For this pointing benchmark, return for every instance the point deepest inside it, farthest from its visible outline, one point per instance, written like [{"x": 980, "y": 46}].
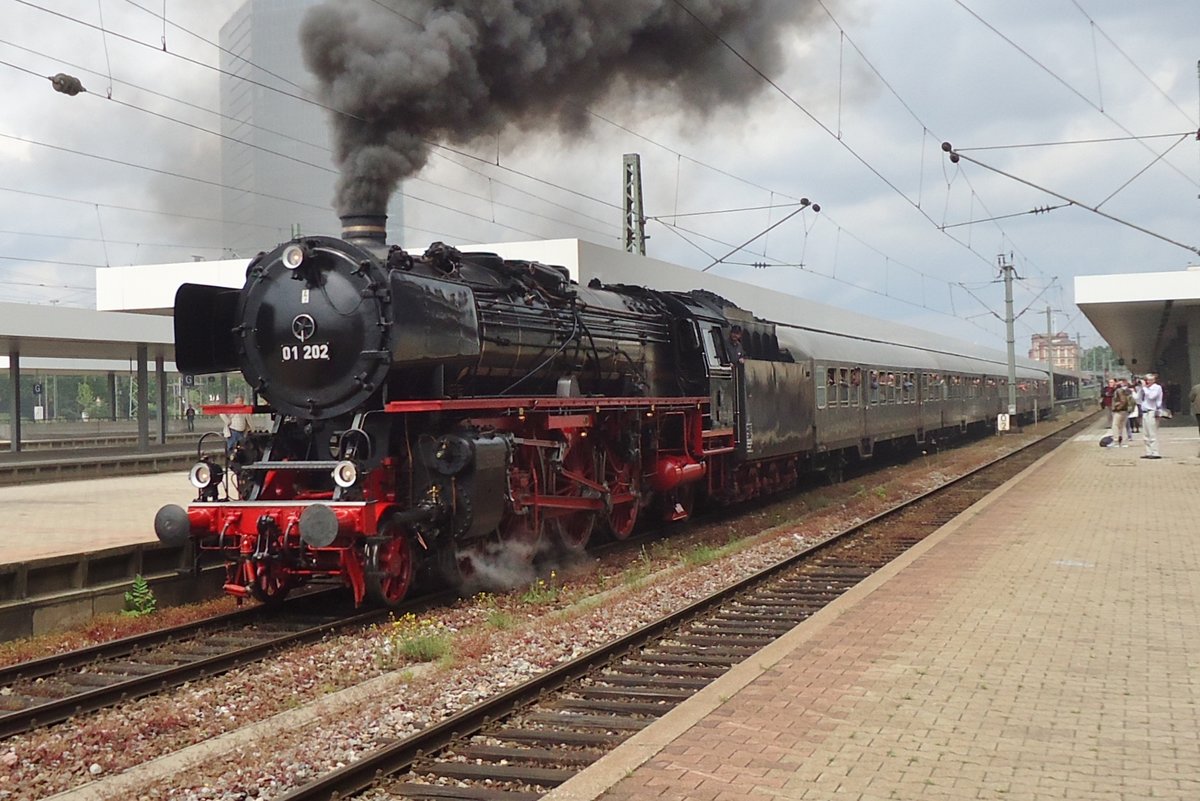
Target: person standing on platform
[
  {"x": 190, "y": 414},
  {"x": 1195, "y": 399},
  {"x": 1151, "y": 408},
  {"x": 1122, "y": 399},
  {"x": 1106, "y": 400},
  {"x": 238, "y": 424},
  {"x": 1135, "y": 411}
]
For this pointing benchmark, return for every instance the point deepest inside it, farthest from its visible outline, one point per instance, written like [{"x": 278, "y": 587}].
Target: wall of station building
[
  {"x": 1177, "y": 365},
  {"x": 1190, "y": 358}
]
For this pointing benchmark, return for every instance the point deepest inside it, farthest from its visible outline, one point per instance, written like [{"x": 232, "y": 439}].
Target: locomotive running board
[{"x": 545, "y": 404}]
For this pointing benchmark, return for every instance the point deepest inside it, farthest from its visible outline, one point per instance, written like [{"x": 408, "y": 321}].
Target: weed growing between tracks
[
  {"x": 409, "y": 639},
  {"x": 140, "y": 599}
]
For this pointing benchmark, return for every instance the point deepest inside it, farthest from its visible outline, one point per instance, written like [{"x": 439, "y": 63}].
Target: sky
[{"x": 1055, "y": 107}]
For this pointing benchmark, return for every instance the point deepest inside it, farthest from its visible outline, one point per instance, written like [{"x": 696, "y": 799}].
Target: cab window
[{"x": 714, "y": 348}]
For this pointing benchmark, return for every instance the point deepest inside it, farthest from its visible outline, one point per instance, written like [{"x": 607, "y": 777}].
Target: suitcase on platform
[{"x": 1105, "y": 441}]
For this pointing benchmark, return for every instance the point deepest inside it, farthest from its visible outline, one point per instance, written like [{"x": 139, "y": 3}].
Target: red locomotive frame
[{"x": 590, "y": 479}]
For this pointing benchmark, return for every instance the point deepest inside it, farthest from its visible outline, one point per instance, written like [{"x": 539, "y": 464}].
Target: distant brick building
[{"x": 1061, "y": 347}]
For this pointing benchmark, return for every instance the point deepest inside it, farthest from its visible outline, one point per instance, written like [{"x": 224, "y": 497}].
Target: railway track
[
  {"x": 52, "y": 689},
  {"x": 93, "y": 441},
  {"x": 522, "y": 743},
  {"x": 95, "y": 457}
]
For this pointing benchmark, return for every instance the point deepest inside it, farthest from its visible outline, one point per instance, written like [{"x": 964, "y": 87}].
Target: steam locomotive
[{"x": 454, "y": 408}]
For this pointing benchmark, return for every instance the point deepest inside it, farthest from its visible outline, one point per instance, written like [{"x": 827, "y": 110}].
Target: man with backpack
[{"x": 1122, "y": 402}]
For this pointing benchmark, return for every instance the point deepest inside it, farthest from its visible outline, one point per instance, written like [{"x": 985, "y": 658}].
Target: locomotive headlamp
[
  {"x": 206, "y": 477},
  {"x": 293, "y": 256},
  {"x": 345, "y": 474},
  {"x": 201, "y": 475}
]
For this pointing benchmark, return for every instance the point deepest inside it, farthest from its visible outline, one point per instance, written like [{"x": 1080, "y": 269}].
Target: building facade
[
  {"x": 1060, "y": 350},
  {"x": 276, "y": 164}
]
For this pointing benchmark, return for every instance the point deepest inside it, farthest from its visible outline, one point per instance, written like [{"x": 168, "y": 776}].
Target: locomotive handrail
[{"x": 325, "y": 464}]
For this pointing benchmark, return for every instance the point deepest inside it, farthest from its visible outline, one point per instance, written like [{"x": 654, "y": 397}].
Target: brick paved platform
[{"x": 1043, "y": 645}]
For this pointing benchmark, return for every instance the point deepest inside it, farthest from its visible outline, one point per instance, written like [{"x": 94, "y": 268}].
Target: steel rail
[
  {"x": 58, "y": 710},
  {"x": 401, "y": 755}
]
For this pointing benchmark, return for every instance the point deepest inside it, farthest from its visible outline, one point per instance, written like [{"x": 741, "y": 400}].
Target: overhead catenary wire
[
  {"x": 835, "y": 135},
  {"x": 324, "y": 168},
  {"x": 926, "y": 133},
  {"x": 468, "y": 155},
  {"x": 1072, "y": 201},
  {"x": 489, "y": 163},
  {"x": 759, "y": 234},
  {"x": 1062, "y": 81},
  {"x": 1095, "y": 26},
  {"x": 1094, "y": 141},
  {"x": 220, "y": 185},
  {"x": 303, "y": 99},
  {"x": 193, "y": 61}
]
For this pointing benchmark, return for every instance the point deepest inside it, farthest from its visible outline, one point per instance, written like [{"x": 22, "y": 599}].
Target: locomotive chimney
[{"x": 367, "y": 230}]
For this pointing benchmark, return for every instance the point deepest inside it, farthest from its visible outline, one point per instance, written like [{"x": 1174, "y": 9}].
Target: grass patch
[
  {"x": 412, "y": 639},
  {"x": 641, "y": 567},
  {"x": 495, "y": 615},
  {"x": 499, "y": 619},
  {"x": 543, "y": 591},
  {"x": 702, "y": 555}
]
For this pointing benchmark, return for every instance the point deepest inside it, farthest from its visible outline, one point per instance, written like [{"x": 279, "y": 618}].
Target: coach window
[
  {"x": 843, "y": 386},
  {"x": 873, "y": 387},
  {"x": 822, "y": 382},
  {"x": 855, "y": 386}
]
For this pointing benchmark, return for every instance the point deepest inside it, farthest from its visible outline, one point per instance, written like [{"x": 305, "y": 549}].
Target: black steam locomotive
[{"x": 454, "y": 408}]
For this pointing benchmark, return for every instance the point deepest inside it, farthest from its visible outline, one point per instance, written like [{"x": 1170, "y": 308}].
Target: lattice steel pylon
[{"x": 635, "y": 220}]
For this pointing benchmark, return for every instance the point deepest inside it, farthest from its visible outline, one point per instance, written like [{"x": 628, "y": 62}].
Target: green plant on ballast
[
  {"x": 140, "y": 599},
  {"x": 410, "y": 639},
  {"x": 542, "y": 592}
]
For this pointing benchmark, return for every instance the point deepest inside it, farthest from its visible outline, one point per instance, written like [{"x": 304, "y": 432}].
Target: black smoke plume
[{"x": 433, "y": 71}]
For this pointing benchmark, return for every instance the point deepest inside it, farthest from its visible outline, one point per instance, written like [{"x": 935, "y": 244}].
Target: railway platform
[
  {"x": 69, "y": 549},
  {"x": 1044, "y": 644}
]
